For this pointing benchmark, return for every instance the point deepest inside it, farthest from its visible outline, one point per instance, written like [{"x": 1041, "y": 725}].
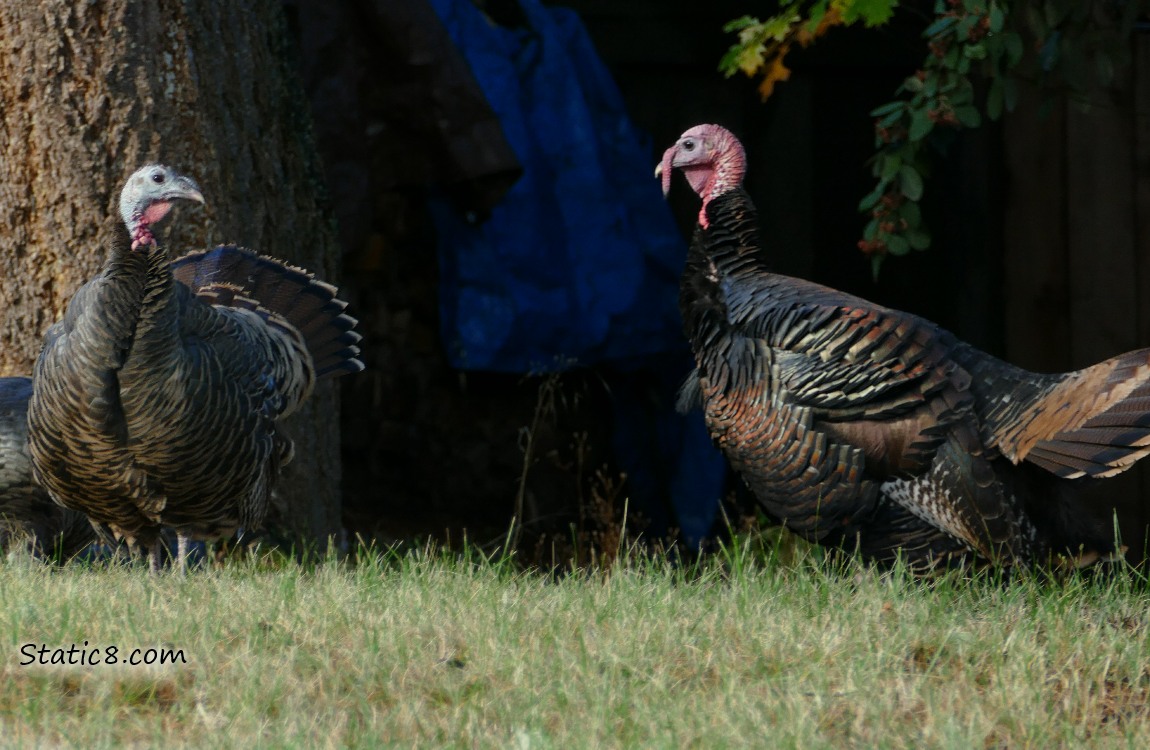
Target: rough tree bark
[{"x": 89, "y": 92}]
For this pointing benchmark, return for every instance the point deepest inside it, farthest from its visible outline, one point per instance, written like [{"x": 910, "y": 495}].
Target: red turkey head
[
  {"x": 712, "y": 160},
  {"x": 147, "y": 197}
]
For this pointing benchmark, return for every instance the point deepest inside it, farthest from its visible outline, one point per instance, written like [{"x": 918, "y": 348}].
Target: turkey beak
[
  {"x": 186, "y": 189},
  {"x": 663, "y": 170}
]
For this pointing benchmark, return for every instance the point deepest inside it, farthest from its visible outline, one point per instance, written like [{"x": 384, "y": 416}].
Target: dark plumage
[
  {"x": 156, "y": 403},
  {"x": 27, "y": 515},
  {"x": 873, "y": 429}
]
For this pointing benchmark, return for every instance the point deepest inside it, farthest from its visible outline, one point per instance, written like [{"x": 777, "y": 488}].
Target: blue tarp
[{"x": 580, "y": 262}]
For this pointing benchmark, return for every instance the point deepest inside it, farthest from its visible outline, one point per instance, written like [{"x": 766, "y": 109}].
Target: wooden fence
[{"x": 1077, "y": 241}]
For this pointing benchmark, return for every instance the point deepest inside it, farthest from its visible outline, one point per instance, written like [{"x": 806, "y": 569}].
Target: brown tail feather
[
  {"x": 1094, "y": 423},
  {"x": 237, "y": 277}
]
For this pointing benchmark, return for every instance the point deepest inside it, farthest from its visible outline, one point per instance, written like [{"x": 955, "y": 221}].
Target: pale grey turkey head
[
  {"x": 712, "y": 160},
  {"x": 147, "y": 197}
]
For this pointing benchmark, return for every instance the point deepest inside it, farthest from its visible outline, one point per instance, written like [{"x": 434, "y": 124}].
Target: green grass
[{"x": 425, "y": 650}]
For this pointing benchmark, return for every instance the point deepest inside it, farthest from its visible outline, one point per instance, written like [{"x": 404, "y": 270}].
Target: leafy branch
[
  {"x": 967, "y": 40},
  {"x": 763, "y": 45}
]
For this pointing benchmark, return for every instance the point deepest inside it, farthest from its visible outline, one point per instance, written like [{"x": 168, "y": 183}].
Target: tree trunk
[{"x": 91, "y": 91}]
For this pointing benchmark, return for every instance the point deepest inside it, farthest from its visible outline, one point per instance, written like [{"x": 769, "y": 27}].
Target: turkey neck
[
  {"x": 137, "y": 287},
  {"x": 125, "y": 267},
  {"x": 115, "y": 297},
  {"x": 157, "y": 325},
  {"x": 727, "y": 249}
]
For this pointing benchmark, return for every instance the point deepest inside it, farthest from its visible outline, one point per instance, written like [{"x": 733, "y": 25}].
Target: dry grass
[{"x": 425, "y": 650}]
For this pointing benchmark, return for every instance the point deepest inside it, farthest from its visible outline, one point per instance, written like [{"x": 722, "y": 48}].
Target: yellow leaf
[
  {"x": 751, "y": 59},
  {"x": 831, "y": 18},
  {"x": 776, "y": 71}
]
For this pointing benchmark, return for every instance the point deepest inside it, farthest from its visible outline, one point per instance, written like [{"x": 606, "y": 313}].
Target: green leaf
[
  {"x": 911, "y": 213},
  {"x": 995, "y": 48},
  {"x": 920, "y": 124},
  {"x": 910, "y": 182},
  {"x": 974, "y": 51},
  {"x": 887, "y": 108},
  {"x": 741, "y": 23},
  {"x": 912, "y": 84},
  {"x": 776, "y": 27},
  {"x": 950, "y": 59},
  {"x": 897, "y": 245},
  {"x": 890, "y": 119},
  {"x": 729, "y": 65},
  {"x": 965, "y": 25},
  {"x": 997, "y": 18},
  {"x": 871, "y": 199},
  {"x": 968, "y": 116},
  {"x": 815, "y": 17},
  {"x": 752, "y": 59},
  {"x": 871, "y": 12},
  {"x": 890, "y": 167},
  {"x": 940, "y": 25},
  {"x": 917, "y": 238},
  {"x": 875, "y": 264},
  {"x": 963, "y": 94}
]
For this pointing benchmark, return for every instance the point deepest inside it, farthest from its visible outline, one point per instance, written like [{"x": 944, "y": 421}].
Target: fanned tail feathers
[
  {"x": 1116, "y": 430},
  {"x": 233, "y": 276},
  {"x": 1093, "y": 422}
]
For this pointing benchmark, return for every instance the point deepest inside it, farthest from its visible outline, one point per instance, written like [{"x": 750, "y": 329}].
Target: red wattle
[{"x": 156, "y": 211}]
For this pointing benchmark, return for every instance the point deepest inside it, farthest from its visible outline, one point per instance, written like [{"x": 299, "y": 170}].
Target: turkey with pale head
[{"x": 157, "y": 399}]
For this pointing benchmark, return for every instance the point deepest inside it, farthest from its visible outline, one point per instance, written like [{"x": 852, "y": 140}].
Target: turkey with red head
[
  {"x": 156, "y": 399},
  {"x": 872, "y": 429}
]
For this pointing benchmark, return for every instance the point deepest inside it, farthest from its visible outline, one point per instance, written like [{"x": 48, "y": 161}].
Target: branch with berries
[
  {"x": 965, "y": 39},
  {"x": 938, "y": 97}
]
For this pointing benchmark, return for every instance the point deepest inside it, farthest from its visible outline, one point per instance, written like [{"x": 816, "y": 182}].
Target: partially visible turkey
[
  {"x": 156, "y": 399},
  {"x": 872, "y": 429},
  {"x": 28, "y": 517}
]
